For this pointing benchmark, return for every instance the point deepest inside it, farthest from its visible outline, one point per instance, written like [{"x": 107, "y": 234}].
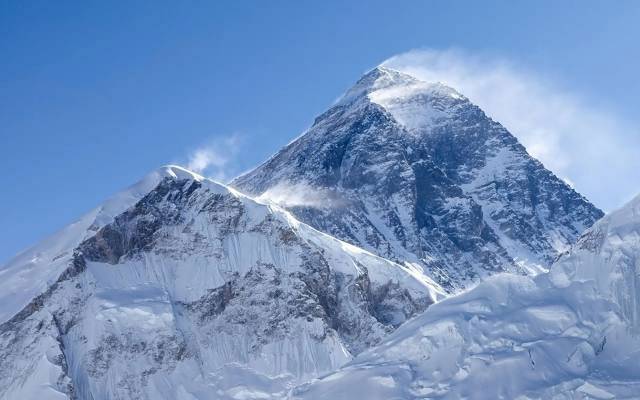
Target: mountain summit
[
  {"x": 413, "y": 171},
  {"x": 377, "y": 79}
]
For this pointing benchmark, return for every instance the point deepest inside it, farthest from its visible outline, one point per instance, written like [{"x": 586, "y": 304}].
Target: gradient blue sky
[{"x": 95, "y": 94}]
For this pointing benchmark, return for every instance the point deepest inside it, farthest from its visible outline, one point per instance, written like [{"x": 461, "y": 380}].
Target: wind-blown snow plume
[
  {"x": 216, "y": 158},
  {"x": 592, "y": 147},
  {"x": 300, "y": 195}
]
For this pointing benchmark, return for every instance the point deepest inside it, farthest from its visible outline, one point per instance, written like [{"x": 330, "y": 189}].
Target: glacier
[{"x": 571, "y": 333}]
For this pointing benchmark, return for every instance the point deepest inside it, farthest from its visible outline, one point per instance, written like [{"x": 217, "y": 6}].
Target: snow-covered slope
[
  {"x": 181, "y": 288},
  {"x": 413, "y": 171},
  {"x": 34, "y": 270},
  {"x": 572, "y": 333}
]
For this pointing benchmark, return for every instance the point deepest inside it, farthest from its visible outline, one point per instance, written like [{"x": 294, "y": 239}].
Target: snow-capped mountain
[
  {"x": 572, "y": 333},
  {"x": 415, "y": 172},
  {"x": 181, "y": 288}
]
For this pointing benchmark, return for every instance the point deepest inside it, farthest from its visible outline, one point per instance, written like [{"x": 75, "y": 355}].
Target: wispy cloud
[
  {"x": 216, "y": 159},
  {"x": 594, "y": 149},
  {"x": 300, "y": 195}
]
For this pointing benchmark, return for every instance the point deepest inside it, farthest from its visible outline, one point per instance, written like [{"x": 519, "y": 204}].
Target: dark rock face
[
  {"x": 456, "y": 194},
  {"x": 263, "y": 303},
  {"x": 136, "y": 230}
]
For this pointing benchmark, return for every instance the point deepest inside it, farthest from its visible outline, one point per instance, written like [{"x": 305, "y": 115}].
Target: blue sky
[{"x": 95, "y": 94}]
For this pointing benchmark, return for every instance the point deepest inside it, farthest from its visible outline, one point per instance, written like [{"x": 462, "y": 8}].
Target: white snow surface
[
  {"x": 571, "y": 333},
  {"x": 415, "y": 104},
  {"x": 32, "y": 271}
]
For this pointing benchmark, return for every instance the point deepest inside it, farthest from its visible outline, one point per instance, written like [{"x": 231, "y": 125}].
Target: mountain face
[
  {"x": 416, "y": 173},
  {"x": 181, "y": 288},
  {"x": 572, "y": 333},
  {"x": 33, "y": 271}
]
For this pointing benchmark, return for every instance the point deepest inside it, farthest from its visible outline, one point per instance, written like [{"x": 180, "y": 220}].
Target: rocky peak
[
  {"x": 377, "y": 79},
  {"x": 404, "y": 96},
  {"x": 421, "y": 174}
]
